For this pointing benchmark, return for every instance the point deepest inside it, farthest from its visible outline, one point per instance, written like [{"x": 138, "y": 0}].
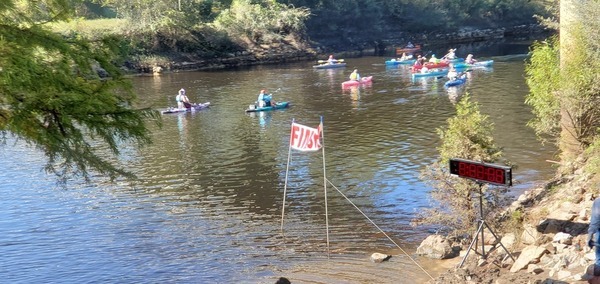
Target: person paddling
[
  {"x": 331, "y": 60},
  {"x": 265, "y": 100},
  {"x": 354, "y": 76},
  {"x": 470, "y": 59},
  {"x": 182, "y": 100}
]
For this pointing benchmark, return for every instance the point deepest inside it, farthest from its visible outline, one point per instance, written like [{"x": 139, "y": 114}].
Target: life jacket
[{"x": 354, "y": 76}]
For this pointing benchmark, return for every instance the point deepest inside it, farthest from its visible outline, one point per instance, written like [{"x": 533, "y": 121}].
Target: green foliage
[
  {"x": 565, "y": 84},
  {"x": 543, "y": 74},
  {"x": 580, "y": 87},
  {"x": 90, "y": 29},
  {"x": 52, "y": 97},
  {"x": 263, "y": 22},
  {"x": 468, "y": 136},
  {"x": 593, "y": 153}
]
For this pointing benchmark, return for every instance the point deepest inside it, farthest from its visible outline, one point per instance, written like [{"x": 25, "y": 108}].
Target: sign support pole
[
  {"x": 287, "y": 167},
  {"x": 325, "y": 186}
]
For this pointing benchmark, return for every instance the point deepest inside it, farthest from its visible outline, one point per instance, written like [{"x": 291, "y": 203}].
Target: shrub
[{"x": 455, "y": 201}]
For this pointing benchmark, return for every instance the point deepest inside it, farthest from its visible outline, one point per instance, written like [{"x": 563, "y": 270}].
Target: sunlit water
[{"x": 207, "y": 207}]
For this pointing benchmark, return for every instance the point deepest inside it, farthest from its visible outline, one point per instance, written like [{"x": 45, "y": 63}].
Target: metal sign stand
[{"x": 482, "y": 223}]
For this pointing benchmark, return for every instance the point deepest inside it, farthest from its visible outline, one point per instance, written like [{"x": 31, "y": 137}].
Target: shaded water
[{"x": 207, "y": 206}]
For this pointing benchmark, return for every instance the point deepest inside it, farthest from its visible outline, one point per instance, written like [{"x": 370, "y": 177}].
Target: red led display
[{"x": 482, "y": 172}]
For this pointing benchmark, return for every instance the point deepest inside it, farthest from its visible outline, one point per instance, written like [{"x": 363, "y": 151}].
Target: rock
[
  {"x": 530, "y": 235},
  {"x": 563, "y": 238},
  {"x": 380, "y": 257},
  {"x": 508, "y": 240},
  {"x": 564, "y": 274},
  {"x": 559, "y": 248},
  {"x": 436, "y": 246},
  {"x": 534, "y": 269},
  {"x": 489, "y": 238},
  {"x": 591, "y": 256},
  {"x": 583, "y": 215},
  {"x": 530, "y": 254}
]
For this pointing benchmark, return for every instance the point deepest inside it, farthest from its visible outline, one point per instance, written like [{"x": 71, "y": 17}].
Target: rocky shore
[{"x": 549, "y": 246}]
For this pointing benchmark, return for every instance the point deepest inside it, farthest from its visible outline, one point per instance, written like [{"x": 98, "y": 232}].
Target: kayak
[
  {"x": 328, "y": 66},
  {"x": 400, "y": 50},
  {"x": 486, "y": 63},
  {"x": 193, "y": 108},
  {"x": 394, "y": 62},
  {"x": 363, "y": 80},
  {"x": 456, "y": 82},
  {"x": 434, "y": 72},
  {"x": 454, "y": 60},
  {"x": 431, "y": 65},
  {"x": 279, "y": 105}
]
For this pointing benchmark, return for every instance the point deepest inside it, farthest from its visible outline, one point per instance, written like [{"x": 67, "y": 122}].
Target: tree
[
  {"x": 468, "y": 136},
  {"x": 52, "y": 96},
  {"x": 565, "y": 87}
]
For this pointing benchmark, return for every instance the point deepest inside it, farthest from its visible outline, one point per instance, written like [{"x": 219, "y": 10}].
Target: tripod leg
[
  {"x": 472, "y": 243},
  {"x": 495, "y": 236}
]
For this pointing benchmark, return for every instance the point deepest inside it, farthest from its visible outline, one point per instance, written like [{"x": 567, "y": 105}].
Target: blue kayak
[
  {"x": 329, "y": 66},
  {"x": 279, "y": 105},
  {"x": 399, "y": 62},
  {"x": 456, "y": 82},
  {"x": 486, "y": 63}
]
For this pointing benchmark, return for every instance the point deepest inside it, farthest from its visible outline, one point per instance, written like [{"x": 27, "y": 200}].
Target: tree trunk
[{"x": 569, "y": 144}]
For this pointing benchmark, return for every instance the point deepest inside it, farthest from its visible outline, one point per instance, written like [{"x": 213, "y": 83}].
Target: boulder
[
  {"x": 380, "y": 257},
  {"x": 530, "y": 254},
  {"x": 436, "y": 246}
]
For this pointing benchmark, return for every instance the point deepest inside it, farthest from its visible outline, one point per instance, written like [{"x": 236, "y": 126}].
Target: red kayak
[
  {"x": 400, "y": 50},
  {"x": 431, "y": 65},
  {"x": 363, "y": 80}
]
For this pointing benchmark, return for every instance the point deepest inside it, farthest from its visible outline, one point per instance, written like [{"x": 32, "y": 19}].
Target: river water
[{"x": 207, "y": 207}]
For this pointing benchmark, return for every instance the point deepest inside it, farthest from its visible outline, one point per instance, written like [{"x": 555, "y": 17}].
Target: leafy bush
[
  {"x": 456, "y": 200},
  {"x": 543, "y": 74},
  {"x": 260, "y": 23}
]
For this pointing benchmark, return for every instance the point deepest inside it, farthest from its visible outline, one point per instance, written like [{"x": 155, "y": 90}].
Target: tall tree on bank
[
  {"x": 52, "y": 97},
  {"x": 564, "y": 83},
  {"x": 569, "y": 144}
]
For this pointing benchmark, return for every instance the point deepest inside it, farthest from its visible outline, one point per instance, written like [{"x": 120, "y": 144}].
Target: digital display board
[{"x": 482, "y": 172}]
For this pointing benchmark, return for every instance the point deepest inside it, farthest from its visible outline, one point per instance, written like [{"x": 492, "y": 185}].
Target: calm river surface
[{"x": 207, "y": 206}]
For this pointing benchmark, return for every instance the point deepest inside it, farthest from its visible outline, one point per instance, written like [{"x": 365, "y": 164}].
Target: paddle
[{"x": 325, "y": 61}]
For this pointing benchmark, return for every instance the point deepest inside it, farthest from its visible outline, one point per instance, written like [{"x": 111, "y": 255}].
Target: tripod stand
[{"x": 482, "y": 223}]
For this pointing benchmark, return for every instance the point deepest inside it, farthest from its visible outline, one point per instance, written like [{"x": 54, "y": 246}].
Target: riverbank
[
  {"x": 549, "y": 244},
  {"x": 288, "y": 51}
]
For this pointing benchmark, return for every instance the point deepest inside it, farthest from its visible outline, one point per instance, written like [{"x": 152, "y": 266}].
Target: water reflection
[
  {"x": 264, "y": 117},
  {"x": 354, "y": 95},
  {"x": 454, "y": 94}
]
